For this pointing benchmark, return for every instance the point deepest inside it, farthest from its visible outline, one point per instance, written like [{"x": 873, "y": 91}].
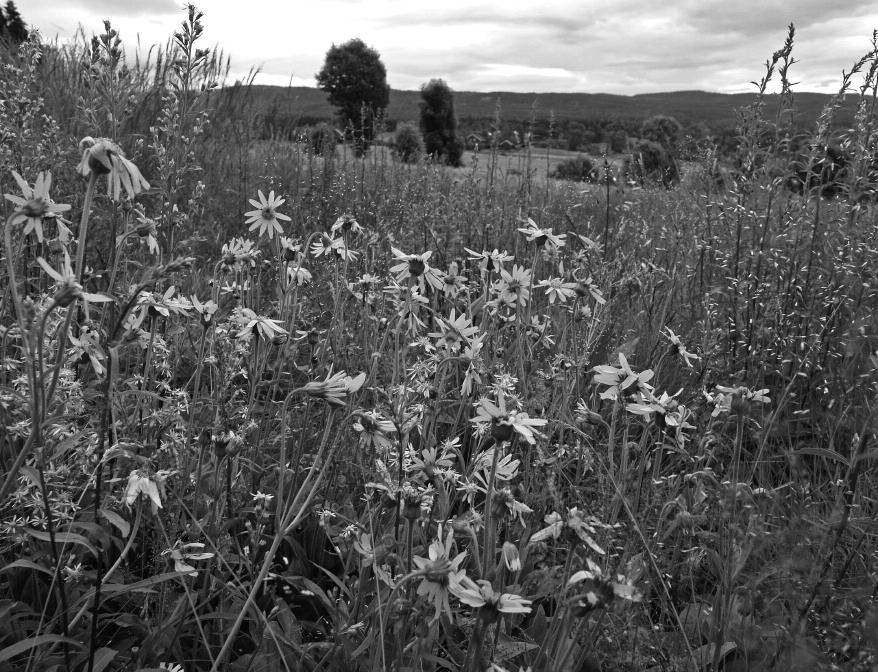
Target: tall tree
[
  {"x": 662, "y": 129},
  {"x": 15, "y": 26},
  {"x": 439, "y": 123},
  {"x": 355, "y": 80}
]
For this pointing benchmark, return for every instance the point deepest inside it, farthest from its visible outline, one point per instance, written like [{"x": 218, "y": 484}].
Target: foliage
[
  {"x": 580, "y": 169},
  {"x": 651, "y": 162},
  {"x": 355, "y": 81},
  {"x": 439, "y": 123},
  {"x": 662, "y": 130},
  {"x": 407, "y": 143},
  {"x": 12, "y": 26}
]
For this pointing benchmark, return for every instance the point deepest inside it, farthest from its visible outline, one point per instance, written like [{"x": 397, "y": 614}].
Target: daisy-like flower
[
  {"x": 146, "y": 230},
  {"x": 453, "y": 283},
  {"x": 171, "y": 667},
  {"x": 622, "y": 381},
  {"x": 513, "y": 289},
  {"x": 668, "y": 411},
  {"x": 252, "y": 323},
  {"x": 490, "y": 604},
  {"x": 153, "y": 305},
  {"x": 102, "y": 156},
  {"x": 374, "y": 430},
  {"x": 347, "y": 223},
  {"x": 69, "y": 289},
  {"x": 489, "y": 262},
  {"x": 408, "y": 302},
  {"x": 592, "y": 580},
  {"x": 581, "y": 528},
  {"x": 439, "y": 572},
  {"x": 35, "y": 205},
  {"x": 472, "y": 355},
  {"x": 298, "y": 275},
  {"x": 454, "y": 333},
  {"x": 588, "y": 287},
  {"x": 88, "y": 343},
  {"x": 290, "y": 249},
  {"x": 541, "y": 237},
  {"x": 182, "y": 552},
  {"x": 239, "y": 253},
  {"x": 503, "y": 423},
  {"x": 365, "y": 288},
  {"x": 327, "y": 246},
  {"x": 556, "y": 288},
  {"x": 736, "y": 399},
  {"x": 678, "y": 347},
  {"x": 335, "y": 388},
  {"x": 416, "y": 266},
  {"x": 206, "y": 310},
  {"x": 431, "y": 462},
  {"x": 141, "y": 483},
  {"x": 266, "y": 215},
  {"x": 511, "y": 556},
  {"x": 504, "y": 504}
]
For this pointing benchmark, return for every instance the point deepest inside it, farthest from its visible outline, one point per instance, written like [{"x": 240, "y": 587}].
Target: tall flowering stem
[{"x": 83, "y": 224}]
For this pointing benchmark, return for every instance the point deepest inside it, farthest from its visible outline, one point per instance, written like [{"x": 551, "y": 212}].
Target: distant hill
[{"x": 689, "y": 107}]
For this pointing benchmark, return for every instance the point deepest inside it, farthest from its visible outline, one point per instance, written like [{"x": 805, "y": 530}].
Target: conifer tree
[
  {"x": 439, "y": 123},
  {"x": 16, "y": 30}
]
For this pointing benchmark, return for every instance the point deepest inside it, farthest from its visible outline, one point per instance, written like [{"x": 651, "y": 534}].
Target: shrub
[
  {"x": 580, "y": 169},
  {"x": 407, "y": 144}
]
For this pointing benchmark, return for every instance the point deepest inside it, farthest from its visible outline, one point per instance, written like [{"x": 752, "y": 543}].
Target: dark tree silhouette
[
  {"x": 355, "y": 80},
  {"x": 438, "y": 122},
  {"x": 16, "y": 30}
]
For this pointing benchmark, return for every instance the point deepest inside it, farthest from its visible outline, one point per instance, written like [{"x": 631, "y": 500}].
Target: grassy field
[{"x": 264, "y": 409}]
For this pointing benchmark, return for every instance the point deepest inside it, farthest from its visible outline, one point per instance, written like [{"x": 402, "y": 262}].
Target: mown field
[{"x": 267, "y": 409}]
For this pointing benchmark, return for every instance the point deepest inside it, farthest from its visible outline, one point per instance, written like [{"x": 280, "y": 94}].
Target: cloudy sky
[{"x": 594, "y": 46}]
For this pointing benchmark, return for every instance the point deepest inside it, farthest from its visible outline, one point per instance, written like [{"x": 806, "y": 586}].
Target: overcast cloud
[{"x": 620, "y": 46}]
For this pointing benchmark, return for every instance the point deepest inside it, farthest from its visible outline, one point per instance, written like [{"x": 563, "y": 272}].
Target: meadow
[{"x": 269, "y": 408}]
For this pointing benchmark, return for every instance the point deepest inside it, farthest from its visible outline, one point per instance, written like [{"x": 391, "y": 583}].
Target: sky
[{"x": 588, "y": 46}]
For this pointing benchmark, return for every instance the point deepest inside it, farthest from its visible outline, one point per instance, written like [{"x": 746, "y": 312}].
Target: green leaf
[
  {"x": 33, "y": 642},
  {"x": 24, "y": 563},
  {"x": 64, "y": 538},
  {"x": 116, "y": 521},
  {"x": 103, "y": 657},
  {"x": 140, "y": 586}
]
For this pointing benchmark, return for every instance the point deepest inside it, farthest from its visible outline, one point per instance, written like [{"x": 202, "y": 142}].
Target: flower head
[
  {"x": 678, "y": 347},
  {"x": 102, "y": 156},
  {"x": 439, "y": 572},
  {"x": 69, "y": 289},
  {"x": 556, "y": 288},
  {"x": 266, "y": 215},
  {"x": 504, "y": 423},
  {"x": 416, "y": 266},
  {"x": 35, "y": 206},
  {"x": 622, "y": 381},
  {"x": 541, "y": 237},
  {"x": 490, "y": 603},
  {"x": 335, "y": 388},
  {"x": 347, "y": 223},
  {"x": 489, "y": 262}
]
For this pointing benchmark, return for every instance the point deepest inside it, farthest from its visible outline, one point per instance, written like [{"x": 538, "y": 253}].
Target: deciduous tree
[{"x": 355, "y": 81}]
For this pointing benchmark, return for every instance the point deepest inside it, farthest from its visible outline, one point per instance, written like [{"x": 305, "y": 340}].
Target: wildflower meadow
[{"x": 267, "y": 407}]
